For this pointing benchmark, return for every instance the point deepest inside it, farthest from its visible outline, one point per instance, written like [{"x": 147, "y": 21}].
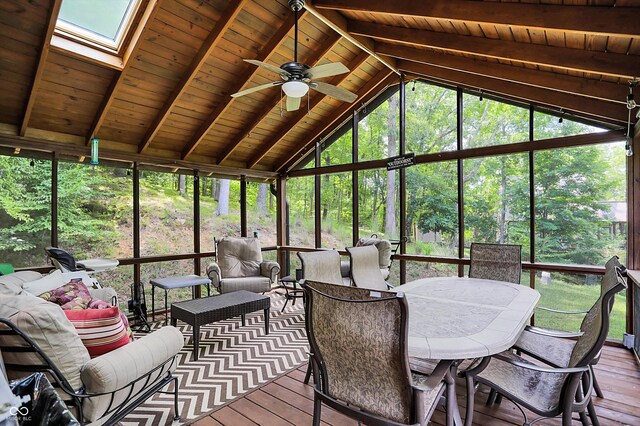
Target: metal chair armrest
[
  {"x": 436, "y": 377},
  {"x": 552, "y": 333},
  {"x": 534, "y": 367},
  {"x": 559, "y": 311}
]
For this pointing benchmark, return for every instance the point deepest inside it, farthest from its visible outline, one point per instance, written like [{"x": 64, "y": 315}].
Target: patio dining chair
[
  {"x": 500, "y": 262},
  {"x": 365, "y": 272},
  {"x": 359, "y": 349},
  {"x": 554, "y": 346},
  {"x": 548, "y": 390},
  {"x": 323, "y": 266}
]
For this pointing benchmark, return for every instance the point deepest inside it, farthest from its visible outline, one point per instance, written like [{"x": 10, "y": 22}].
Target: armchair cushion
[
  {"x": 239, "y": 257},
  {"x": 116, "y": 369},
  {"x": 384, "y": 250},
  {"x": 48, "y": 326},
  {"x": 270, "y": 270},
  {"x": 45, "y": 283},
  {"x": 257, "y": 284},
  {"x": 214, "y": 274},
  {"x": 107, "y": 294}
]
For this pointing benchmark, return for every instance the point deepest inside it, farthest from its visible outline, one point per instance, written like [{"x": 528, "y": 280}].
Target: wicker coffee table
[{"x": 198, "y": 312}]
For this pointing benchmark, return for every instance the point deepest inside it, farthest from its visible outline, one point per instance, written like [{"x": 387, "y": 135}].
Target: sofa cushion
[
  {"x": 12, "y": 283},
  {"x": 101, "y": 330},
  {"x": 47, "y": 325},
  {"x": 44, "y": 284},
  {"x": 239, "y": 257}
]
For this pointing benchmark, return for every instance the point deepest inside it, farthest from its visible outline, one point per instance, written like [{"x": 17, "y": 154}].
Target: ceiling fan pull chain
[
  {"x": 281, "y": 113},
  {"x": 308, "y": 105}
]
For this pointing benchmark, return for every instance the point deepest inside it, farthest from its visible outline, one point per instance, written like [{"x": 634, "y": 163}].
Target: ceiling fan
[{"x": 297, "y": 77}]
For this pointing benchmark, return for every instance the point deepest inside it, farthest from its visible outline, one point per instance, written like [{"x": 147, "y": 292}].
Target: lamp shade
[{"x": 295, "y": 89}]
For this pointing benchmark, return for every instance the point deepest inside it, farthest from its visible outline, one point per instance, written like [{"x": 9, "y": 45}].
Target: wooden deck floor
[{"x": 287, "y": 400}]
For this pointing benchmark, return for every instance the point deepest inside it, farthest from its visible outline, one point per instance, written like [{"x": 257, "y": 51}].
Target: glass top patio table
[{"x": 460, "y": 318}]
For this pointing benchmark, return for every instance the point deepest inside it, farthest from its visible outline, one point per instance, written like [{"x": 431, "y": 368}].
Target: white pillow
[{"x": 45, "y": 284}]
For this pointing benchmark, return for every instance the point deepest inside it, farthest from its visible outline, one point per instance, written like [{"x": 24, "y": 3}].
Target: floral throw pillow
[{"x": 73, "y": 295}]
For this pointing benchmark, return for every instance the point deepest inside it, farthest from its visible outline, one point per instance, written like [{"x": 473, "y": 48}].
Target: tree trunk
[
  {"x": 223, "y": 198},
  {"x": 390, "y": 226},
  {"x": 261, "y": 200},
  {"x": 502, "y": 236},
  {"x": 182, "y": 184}
]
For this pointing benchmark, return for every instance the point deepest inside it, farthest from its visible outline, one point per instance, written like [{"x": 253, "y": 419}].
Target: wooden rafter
[
  {"x": 339, "y": 24},
  {"x": 605, "y": 20},
  {"x": 222, "y": 25},
  {"x": 569, "y": 102},
  {"x": 381, "y": 79},
  {"x": 54, "y": 10},
  {"x": 269, "y": 50},
  {"x": 299, "y": 115},
  {"x": 613, "y": 64},
  {"x": 119, "y": 78},
  {"x": 561, "y": 82}
]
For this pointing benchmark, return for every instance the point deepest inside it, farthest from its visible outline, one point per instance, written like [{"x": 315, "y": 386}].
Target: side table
[
  {"x": 292, "y": 292},
  {"x": 175, "y": 282}
]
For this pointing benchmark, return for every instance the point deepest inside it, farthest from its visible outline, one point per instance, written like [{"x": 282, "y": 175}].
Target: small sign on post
[{"x": 401, "y": 161}]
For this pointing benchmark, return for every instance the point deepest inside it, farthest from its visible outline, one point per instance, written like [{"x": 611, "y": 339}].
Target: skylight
[{"x": 97, "y": 22}]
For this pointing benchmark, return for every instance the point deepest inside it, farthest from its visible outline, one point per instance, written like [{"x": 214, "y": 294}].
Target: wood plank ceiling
[{"x": 168, "y": 96}]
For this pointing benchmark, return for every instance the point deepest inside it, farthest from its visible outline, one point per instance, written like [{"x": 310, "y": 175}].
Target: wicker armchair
[
  {"x": 359, "y": 345},
  {"x": 365, "y": 272},
  {"x": 551, "y": 391},
  {"x": 240, "y": 266},
  {"x": 554, "y": 346},
  {"x": 500, "y": 262}
]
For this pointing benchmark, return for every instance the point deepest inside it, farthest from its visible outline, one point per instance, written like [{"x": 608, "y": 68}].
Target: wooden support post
[
  {"x": 318, "y": 204},
  {"x": 403, "y": 180},
  {"x": 243, "y": 206},
  {"x": 138, "y": 296},
  {"x": 354, "y": 179},
  {"x": 197, "y": 261},
  {"x": 54, "y": 200},
  {"x": 281, "y": 223},
  {"x": 459, "y": 108}
]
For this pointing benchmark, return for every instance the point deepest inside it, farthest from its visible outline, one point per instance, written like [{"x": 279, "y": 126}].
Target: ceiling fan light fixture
[{"x": 295, "y": 89}]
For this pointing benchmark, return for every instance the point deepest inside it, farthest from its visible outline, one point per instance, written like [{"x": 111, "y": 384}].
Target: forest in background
[{"x": 575, "y": 189}]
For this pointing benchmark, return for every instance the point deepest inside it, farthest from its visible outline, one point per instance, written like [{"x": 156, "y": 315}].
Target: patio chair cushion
[
  {"x": 239, "y": 257},
  {"x": 48, "y": 326},
  {"x": 541, "y": 390},
  {"x": 12, "y": 283}
]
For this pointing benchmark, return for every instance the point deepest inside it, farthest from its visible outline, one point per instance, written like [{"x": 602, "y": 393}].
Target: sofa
[
  {"x": 240, "y": 266},
  {"x": 104, "y": 388}
]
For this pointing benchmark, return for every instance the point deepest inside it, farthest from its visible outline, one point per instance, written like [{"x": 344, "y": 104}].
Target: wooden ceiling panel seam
[
  {"x": 300, "y": 114},
  {"x": 275, "y": 99},
  {"x": 119, "y": 78},
  {"x": 205, "y": 51},
  {"x": 580, "y": 60},
  {"x": 567, "y": 18},
  {"x": 383, "y": 78},
  {"x": 565, "y": 83},
  {"x": 250, "y": 71},
  {"x": 54, "y": 10},
  {"x": 580, "y": 105}
]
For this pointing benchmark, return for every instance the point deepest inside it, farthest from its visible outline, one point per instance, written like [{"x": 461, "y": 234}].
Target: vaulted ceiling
[{"x": 168, "y": 96}]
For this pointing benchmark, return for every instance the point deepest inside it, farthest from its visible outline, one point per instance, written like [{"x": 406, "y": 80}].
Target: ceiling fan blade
[
  {"x": 255, "y": 89},
  {"x": 327, "y": 70},
  {"x": 334, "y": 91},
  {"x": 293, "y": 103},
  {"x": 270, "y": 67}
]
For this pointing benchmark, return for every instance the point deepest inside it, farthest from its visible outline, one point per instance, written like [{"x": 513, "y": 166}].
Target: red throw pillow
[{"x": 101, "y": 330}]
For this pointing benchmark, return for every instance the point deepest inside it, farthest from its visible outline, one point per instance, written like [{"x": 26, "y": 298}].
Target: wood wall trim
[
  {"x": 561, "y": 82},
  {"x": 54, "y": 10},
  {"x": 596, "y": 108},
  {"x": 381, "y": 79},
  {"x": 119, "y": 78},
  {"x": 612, "y": 64},
  {"x": 299, "y": 115},
  {"x": 205, "y": 51},
  {"x": 339, "y": 24},
  {"x": 603, "y": 20}
]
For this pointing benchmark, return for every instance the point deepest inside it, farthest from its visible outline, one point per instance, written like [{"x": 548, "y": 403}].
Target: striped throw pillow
[{"x": 101, "y": 330}]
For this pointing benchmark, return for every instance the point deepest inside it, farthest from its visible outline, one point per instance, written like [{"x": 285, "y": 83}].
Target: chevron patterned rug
[{"x": 232, "y": 361}]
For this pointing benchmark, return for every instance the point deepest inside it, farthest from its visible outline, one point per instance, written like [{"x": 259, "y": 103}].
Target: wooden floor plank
[{"x": 287, "y": 400}]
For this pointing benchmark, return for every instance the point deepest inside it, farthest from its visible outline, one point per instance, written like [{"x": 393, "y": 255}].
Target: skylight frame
[{"x": 94, "y": 40}]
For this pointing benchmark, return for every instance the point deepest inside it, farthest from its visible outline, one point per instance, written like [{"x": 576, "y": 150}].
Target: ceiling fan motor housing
[
  {"x": 296, "y": 70},
  {"x": 296, "y": 5}
]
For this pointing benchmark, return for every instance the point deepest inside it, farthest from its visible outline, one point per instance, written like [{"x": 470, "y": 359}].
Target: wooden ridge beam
[
  {"x": 383, "y": 78},
  {"x": 564, "y": 83},
  {"x": 299, "y": 115},
  {"x": 603, "y": 20},
  {"x": 275, "y": 99},
  {"x": 571, "y": 103},
  {"x": 339, "y": 24},
  {"x": 54, "y": 11},
  {"x": 152, "y": 8},
  {"x": 214, "y": 37},
  {"x": 612, "y": 64}
]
